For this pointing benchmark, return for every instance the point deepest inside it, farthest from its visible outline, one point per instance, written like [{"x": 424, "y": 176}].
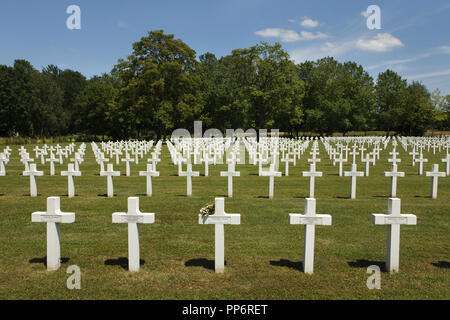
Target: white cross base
[
  {"x": 393, "y": 219},
  {"x": 310, "y": 219},
  {"x": 53, "y": 217},
  {"x": 219, "y": 219},
  {"x": 133, "y": 217}
]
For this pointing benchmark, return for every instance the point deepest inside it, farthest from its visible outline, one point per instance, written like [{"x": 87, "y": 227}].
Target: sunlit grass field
[{"x": 263, "y": 255}]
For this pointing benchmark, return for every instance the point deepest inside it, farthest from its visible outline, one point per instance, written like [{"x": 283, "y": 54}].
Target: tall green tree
[
  {"x": 390, "y": 101},
  {"x": 160, "y": 86}
]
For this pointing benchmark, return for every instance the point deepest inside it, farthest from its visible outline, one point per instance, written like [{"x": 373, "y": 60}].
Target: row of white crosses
[
  {"x": 132, "y": 152},
  {"x": 139, "y": 149},
  {"x": 54, "y": 216},
  {"x": 32, "y": 172}
]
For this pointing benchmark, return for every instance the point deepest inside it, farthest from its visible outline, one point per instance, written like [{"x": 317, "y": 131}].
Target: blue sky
[{"x": 414, "y": 39}]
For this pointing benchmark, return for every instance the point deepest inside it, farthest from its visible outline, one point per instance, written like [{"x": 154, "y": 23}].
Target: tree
[
  {"x": 390, "y": 100},
  {"x": 95, "y": 105},
  {"x": 160, "y": 86}
]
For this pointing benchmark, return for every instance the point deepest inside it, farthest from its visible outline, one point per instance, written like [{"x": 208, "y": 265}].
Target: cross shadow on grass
[
  {"x": 362, "y": 263},
  {"x": 105, "y": 195},
  {"x": 441, "y": 264},
  {"x": 261, "y": 197},
  {"x": 341, "y": 197},
  {"x": 44, "y": 260},
  {"x": 288, "y": 263},
  {"x": 122, "y": 262},
  {"x": 201, "y": 262}
]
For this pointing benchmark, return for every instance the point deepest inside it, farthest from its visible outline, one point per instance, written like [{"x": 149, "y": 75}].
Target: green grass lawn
[{"x": 263, "y": 254}]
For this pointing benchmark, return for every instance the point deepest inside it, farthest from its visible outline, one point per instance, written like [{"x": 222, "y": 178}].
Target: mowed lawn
[{"x": 263, "y": 254}]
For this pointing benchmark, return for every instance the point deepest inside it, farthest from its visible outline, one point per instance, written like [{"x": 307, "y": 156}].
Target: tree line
[{"x": 162, "y": 86}]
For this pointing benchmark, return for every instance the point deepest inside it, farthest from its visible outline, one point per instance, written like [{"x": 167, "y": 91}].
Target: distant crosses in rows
[
  {"x": 434, "y": 174},
  {"x": 393, "y": 219},
  {"x": 132, "y": 217},
  {"x": 53, "y": 217},
  {"x": 310, "y": 219},
  {"x": 219, "y": 219}
]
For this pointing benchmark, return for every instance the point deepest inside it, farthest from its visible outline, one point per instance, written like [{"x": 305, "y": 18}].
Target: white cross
[
  {"x": 127, "y": 160},
  {"x": 52, "y": 161},
  {"x": 33, "y": 173},
  {"x": 311, "y": 174},
  {"x": 133, "y": 217},
  {"x": 77, "y": 160},
  {"x": 189, "y": 174},
  {"x": 394, "y": 174},
  {"x": 110, "y": 173},
  {"x": 207, "y": 160},
  {"x": 260, "y": 159},
  {"x": 413, "y": 153},
  {"x": 394, "y": 157},
  {"x": 341, "y": 160},
  {"x": 271, "y": 173},
  {"x": 286, "y": 161},
  {"x": 219, "y": 219},
  {"x": 367, "y": 161},
  {"x": 353, "y": 174},
  {"x": 230, "y": 174},
  {"x": 421, "y": 160},
  {"x": 53, "y": 217},
  {"x": 26, "y": 160},
  {"x": 70, "y": 173},
  {"x": 149, "y": 174},
  {"x": 3, "y": 160},
  {"x": 434, "y": 174},
  {"x": 354, "y": 153},
  {"x": 310, "y": 219},
  {"x": 154, "y": 160},
  {"x": 393, "y": 219},
  {"x": 446, "y": 160}
]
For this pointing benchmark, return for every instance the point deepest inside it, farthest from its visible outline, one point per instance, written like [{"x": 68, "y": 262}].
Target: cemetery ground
[{"x": 263, "y": 255}]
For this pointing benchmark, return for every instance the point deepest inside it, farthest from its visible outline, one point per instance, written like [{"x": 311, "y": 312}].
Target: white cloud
[
  {"x": 392, "y": 63},
  {"x": 283, "y": 34},
  {"x": 309, "y": 23},
  {"x": 382, "y": 42},
  {"x": 365, "y": 14},
  {"x": 306, "y": 35},
  {"x": 317, "y": 52},
  {"x": 429, "y": 75},
  {"x": 445, "y": 49},
  {"x": 290, "y": 35}
]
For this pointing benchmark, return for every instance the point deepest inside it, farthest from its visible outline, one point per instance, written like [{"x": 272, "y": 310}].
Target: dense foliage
[{"x": 161, "y": 86}]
